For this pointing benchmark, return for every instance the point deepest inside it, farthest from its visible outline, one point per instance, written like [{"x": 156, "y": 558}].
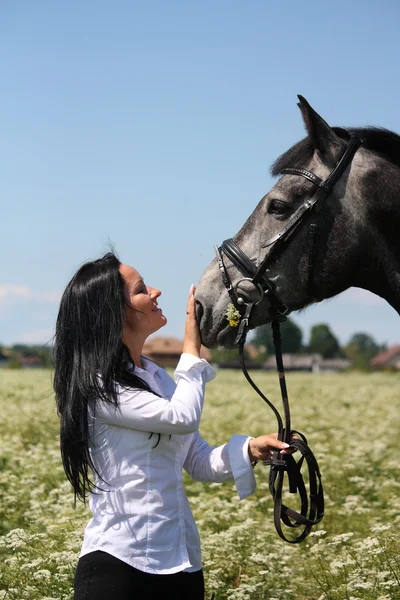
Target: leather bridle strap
[
  {"x": 324, "y": 188},
  {"x": 250, "y": 270},
  {"x": 242, "y": 261},
  {"x": 312, "y": 503},
  {"x": 307, "y": 175}
]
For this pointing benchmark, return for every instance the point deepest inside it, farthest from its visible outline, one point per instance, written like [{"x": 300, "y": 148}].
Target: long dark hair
[{"x": 90, "y": 358}]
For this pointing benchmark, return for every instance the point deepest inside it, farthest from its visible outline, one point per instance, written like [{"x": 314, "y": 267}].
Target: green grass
[{"x": 352, "y": 424}]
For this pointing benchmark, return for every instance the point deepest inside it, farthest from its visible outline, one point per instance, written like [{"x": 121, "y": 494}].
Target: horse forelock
[{"x": 382, "y": 141}]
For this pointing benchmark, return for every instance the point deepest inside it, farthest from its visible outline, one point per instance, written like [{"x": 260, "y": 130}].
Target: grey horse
[{"x": 358, "y": 229}]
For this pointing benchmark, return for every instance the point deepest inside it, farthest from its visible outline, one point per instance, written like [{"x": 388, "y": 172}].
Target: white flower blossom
[{"x": 318, "y": 533}]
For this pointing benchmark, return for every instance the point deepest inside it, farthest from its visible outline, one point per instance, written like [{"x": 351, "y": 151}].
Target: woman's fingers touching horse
[{"x": 192, "y": 341}]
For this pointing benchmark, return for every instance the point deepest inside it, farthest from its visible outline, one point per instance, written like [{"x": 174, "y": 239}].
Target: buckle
[{"x": 283, "y": 311}]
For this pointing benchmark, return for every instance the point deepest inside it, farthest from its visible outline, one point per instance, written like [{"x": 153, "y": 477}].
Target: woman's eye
[
  {"x": 140, "y": 290},
  {"x": 278, "y": 207}
]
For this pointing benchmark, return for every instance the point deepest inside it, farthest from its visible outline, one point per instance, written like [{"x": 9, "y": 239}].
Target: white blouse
[{"x": 141, "y": 513}]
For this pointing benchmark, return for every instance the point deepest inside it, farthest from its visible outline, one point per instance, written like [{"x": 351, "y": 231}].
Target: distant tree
[
  {"x": 46, "y": 357},
  {"x": 365, "y": 344},
  {"x": 44, "y": 353},
  {"x": 360, "y": 349},
  {"x": 323, "y": 341},
  {"x": 14, "y": 364},
  {"x": 23, "y": 350},
  {"x": 292, "y": 337}
]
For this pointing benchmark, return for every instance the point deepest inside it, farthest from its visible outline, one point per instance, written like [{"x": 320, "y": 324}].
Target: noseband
[{"x": 312, "y": 503}]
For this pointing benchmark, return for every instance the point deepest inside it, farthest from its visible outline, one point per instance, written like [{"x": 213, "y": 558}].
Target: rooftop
[{"x": 385, "y": 357}]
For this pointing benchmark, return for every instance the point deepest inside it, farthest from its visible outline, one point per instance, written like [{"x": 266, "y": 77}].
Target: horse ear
[{"x": 326, "y": 142}]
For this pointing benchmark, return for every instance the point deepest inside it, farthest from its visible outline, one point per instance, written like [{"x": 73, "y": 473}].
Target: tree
[
  {"x": 44, "y": 353},
  {"x": 46, "y": 357},
  {"x": 360, "y": 349},
  {"x": 322, "y": 341},
  {"x": 291, "y": 334},
  {"x": 365, "y": 344}
]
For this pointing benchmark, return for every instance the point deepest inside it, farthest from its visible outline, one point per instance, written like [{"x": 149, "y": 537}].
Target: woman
[{"x": 128, "y": 425}]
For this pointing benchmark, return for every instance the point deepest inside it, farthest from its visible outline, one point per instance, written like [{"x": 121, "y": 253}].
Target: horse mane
[{"x": 377, "y": 139}]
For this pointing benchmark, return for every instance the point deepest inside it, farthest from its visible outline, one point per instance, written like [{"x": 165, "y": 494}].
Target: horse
[{"x": 330, "y": 222}]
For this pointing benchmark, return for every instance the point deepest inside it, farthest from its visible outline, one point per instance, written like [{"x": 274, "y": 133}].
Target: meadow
[{"x": 352, "y": 424}]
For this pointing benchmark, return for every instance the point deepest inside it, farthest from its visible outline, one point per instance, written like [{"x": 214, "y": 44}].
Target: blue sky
[{"x": 152, "y": 126}]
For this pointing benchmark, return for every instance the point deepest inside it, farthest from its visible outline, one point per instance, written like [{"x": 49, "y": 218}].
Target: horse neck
[{"x": 380, "y": 272}]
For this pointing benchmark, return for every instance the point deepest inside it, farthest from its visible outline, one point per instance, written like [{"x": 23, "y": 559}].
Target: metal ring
[{"x": 256, "y": 285}]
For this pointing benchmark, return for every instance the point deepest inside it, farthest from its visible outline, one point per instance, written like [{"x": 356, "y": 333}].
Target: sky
[{"x": 151, "y": 127}]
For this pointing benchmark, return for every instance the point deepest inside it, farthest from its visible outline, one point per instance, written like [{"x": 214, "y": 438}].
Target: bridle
[
  {"x": 312, "y": 503},
  {"x": 257, "y": 274}
]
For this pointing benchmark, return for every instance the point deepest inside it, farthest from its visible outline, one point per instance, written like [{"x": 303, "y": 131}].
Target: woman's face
[{"x": 143, "y": 316}]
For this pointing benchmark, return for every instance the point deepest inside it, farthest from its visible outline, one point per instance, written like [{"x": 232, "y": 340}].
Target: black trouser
[{"x": 100, "y": 576}]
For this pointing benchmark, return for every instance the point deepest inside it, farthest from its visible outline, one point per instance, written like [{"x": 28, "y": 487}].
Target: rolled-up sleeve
[
  {"x": 230, "y": 461},
  {"x": 145, "y": 411}
]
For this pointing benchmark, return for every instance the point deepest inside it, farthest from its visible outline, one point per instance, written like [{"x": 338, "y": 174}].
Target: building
[
  {"x": 166, "y": 352},
  {"x": 389, "y": 359},
  {"x": 314, "y": 363},
  {"x": 29, "y": 362}
]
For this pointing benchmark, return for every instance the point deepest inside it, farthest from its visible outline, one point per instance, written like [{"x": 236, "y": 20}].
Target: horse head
[{"x": 311, "y": 239}]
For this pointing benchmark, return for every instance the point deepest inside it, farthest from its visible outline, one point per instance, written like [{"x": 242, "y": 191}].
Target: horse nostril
[{"x": 199, "y": 311}]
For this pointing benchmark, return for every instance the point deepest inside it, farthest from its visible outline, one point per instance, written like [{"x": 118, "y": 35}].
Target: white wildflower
[
  {"x": 391, "y": 583},
  {"x": 379, "y": 528},
  {"x": 362, "y": 585},
  {"x": 369, "y": 542},
  {"x": 342, "y": 538},
  {"x": 318, "y": 533},
  {"x": 42, "y": 574}
]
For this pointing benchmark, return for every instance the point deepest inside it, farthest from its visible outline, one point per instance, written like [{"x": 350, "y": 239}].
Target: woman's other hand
[
  {"x": 192, "y": 341},
  {"x": 261, "y": 448}
]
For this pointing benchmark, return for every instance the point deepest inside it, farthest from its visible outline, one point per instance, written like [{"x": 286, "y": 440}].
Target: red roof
[
  {"x": 29, "y": 361},
  {"x": 384, "y": 357},
  {"x": 160, "y": 346},
  {"x": 253, "y": 351}
]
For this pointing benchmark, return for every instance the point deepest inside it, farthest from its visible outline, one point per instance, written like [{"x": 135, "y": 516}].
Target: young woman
[{"x": 128, "y": 429}]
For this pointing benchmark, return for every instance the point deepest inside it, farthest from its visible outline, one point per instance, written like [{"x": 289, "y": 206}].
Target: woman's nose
[{"x": 154, "y": 293}]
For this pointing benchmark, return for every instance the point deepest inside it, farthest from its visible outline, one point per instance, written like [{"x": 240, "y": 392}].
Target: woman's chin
[
  {"x": 157, "y": 326},
  {"x": 164, "y": 321}
]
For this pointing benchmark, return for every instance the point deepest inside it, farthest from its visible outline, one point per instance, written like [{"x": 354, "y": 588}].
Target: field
[{"x": 352, "y": 424}]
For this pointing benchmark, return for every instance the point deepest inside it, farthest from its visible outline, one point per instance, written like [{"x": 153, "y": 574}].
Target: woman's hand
[
  {"x": 262, "y": 447},
  {"x": 192, "y": 341}
]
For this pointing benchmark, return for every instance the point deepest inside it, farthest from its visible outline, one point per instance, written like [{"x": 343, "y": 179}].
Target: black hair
[{"x": 90, "y": 359}]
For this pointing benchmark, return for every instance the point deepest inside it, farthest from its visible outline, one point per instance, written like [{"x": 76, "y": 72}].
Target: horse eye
[{"x": 278, "y": 207}]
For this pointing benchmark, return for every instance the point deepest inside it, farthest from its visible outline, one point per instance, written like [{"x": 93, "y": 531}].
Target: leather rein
[{"x": 311, "y": 499}]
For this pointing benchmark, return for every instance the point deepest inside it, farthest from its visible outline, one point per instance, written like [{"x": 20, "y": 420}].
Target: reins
[{"x": 312, "y": 500}]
